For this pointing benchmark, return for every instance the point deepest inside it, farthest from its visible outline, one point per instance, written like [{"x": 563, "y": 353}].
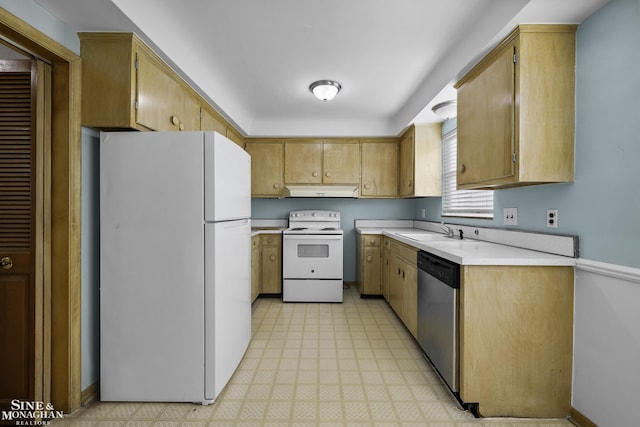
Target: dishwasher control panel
[{"x": 444, "y": 270}]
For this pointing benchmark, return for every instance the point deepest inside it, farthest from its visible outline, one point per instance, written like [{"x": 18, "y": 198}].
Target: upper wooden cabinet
[
  {"x": 379, "y": 168},
  {"x": 303, "y": 162},
  {"x": 125, "y": 85},
  {"x": 322, "y": 161},
  {"x": 370, "y": 163},
  {"x": 267, "y": 166},
  {"x": 421, "y": 161},
  {"x": 211, "y": 121},
  {"x": 160, "y": 102},
  {"x": 516, "y": 111}
]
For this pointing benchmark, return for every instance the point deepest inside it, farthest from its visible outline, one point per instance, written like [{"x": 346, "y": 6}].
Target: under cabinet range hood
[{"x": 321, "y": 191}]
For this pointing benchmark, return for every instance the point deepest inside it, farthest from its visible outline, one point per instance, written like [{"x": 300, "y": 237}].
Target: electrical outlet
[
  {"x": 552, "y": 218},
  {"x": 510, "y": 216}
]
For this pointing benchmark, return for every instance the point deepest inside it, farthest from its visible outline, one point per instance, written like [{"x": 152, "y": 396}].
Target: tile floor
[{"x": 325, "y": 365}]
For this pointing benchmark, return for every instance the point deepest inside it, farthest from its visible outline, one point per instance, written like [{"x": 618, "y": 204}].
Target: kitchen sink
[{"x": 424, "y": 237}]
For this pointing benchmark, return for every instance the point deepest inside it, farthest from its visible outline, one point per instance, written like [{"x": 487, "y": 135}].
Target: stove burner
[
  {"x": 328, "y": 229},
  {"x": 298, "y": 228}
]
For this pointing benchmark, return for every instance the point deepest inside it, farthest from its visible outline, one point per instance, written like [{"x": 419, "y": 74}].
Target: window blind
[{"x": 461, "y": 203}]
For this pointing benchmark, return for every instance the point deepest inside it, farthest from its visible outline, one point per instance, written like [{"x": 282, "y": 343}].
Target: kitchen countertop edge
[{"x": 474, "y": 252}]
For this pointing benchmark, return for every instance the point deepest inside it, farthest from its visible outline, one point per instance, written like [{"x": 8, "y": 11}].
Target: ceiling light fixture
[
  {"x": 446, "y": 110},
  {"x": 325, "y": 90}
]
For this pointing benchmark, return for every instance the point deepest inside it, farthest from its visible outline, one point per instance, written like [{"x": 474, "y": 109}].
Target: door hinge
[
  {"x": 514, "y": 157},
  {"x": 135, "y": 104},
  {"x": 135, "y": 63},
  {"x": 515, "y": 58}
]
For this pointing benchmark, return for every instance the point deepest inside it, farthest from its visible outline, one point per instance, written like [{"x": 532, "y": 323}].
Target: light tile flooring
[{"x": 350, "y": 364}]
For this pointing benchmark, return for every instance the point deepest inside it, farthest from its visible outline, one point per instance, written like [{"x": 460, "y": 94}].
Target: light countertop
[
  {"x": 469, "y": 251},
  {"x": 266, "y": 230}
]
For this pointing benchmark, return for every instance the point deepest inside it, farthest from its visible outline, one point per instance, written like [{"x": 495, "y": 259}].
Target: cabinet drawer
[
  {"x": 370, "y": 240},
  {"x": 407, "y": 252},
  {"x": 270, "y": 239}
]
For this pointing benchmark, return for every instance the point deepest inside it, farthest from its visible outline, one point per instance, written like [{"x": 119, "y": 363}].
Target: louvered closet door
[{"x": 17, "y": 221}]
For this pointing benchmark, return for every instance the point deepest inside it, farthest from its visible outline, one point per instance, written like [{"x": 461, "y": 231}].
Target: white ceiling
[{"x": 256, "y": 58}]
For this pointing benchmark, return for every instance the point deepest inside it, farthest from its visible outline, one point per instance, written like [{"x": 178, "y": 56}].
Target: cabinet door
[
  {"x": 386, "y": 268},
  {"x": 486, "y": 123},
  {"x": 395, "y": 284},
  {"x": 255, "y": 267},
  {"x": 271, "y": 270},
  {"x": 190, "y": 113},
  {"x": 267, "y": 160},
  {"x": 410, "y": 298},
  {"x": 379, "y": 169},
  {"x": 159, "y": 97},
  {"x": 303, "y": 162},
  {"x": 235, "y": 136},
  {"x": 407, "y": 165},
  {"x": 212, "y": 123},
  {"x": 371, "y": 276},
  {"x": 341, "y": 163}
]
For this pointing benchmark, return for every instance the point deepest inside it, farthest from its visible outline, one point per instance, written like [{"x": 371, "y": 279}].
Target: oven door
[{"x": 312, "y": 256}]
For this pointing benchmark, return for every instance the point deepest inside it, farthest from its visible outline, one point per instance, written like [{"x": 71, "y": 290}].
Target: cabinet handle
[
  {"x": 367, "y": 186},
  {"x": 372, "y": 241},
  {"x": 463, "y": 168},
  {"x": 327, "y": 174},
  {"x": 272, "y": 257},
  {"x": 409, "y": 183},
  {"x": 276, "y": 186},
  {"x": 369, "y": 258},
  {"x": 403, "y": 274},
  {"x": 181, "y": 126},
  {"x": 175, "y": 120},
  {"x": 314, "y": 173}
]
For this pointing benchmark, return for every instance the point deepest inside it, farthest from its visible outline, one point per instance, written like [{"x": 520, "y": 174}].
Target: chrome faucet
[{"x": 448, "y": 229}]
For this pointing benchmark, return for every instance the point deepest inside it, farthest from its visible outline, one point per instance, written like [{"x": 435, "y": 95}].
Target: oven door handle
[{"x": 314, "y": 237}]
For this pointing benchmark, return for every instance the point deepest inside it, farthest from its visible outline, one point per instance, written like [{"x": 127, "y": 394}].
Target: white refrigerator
[{"x": 175, "y": 262}]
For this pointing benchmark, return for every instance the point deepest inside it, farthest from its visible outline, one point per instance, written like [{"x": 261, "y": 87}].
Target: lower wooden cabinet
[
  {"x": 403, "y": 284},
  {"x": 255, "y": 267},
  {"x": 271, "y": 258},
  {"x": 369, "y": 272},
  {"x": 266, "y": 264},
  {"x": 516, "y": 339},
  {"x": 386, "y": 267},
  {"x": 515, "y": 327}
]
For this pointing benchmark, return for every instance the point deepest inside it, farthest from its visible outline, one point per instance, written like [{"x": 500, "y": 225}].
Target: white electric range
[{"x": 312, "y": 250}]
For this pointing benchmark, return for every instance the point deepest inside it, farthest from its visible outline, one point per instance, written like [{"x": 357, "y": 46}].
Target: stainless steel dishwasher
[{"x": 438, "y": 285}]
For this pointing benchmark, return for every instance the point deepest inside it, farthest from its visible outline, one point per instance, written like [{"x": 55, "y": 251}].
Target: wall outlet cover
[{"x": 510, "y": 216}]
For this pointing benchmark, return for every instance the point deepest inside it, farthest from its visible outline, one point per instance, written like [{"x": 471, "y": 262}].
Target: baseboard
[
  {"x": 90, "y": 394},
  {"x": 580, "y": 420}
]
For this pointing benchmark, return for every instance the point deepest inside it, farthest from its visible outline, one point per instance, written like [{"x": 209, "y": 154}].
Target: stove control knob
[{"x": 314, "y": 214}]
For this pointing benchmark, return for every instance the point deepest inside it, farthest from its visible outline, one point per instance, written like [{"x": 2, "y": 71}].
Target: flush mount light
[
  {"x": 446, "y": 110},
  {"x": 325, "y": 90}
]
